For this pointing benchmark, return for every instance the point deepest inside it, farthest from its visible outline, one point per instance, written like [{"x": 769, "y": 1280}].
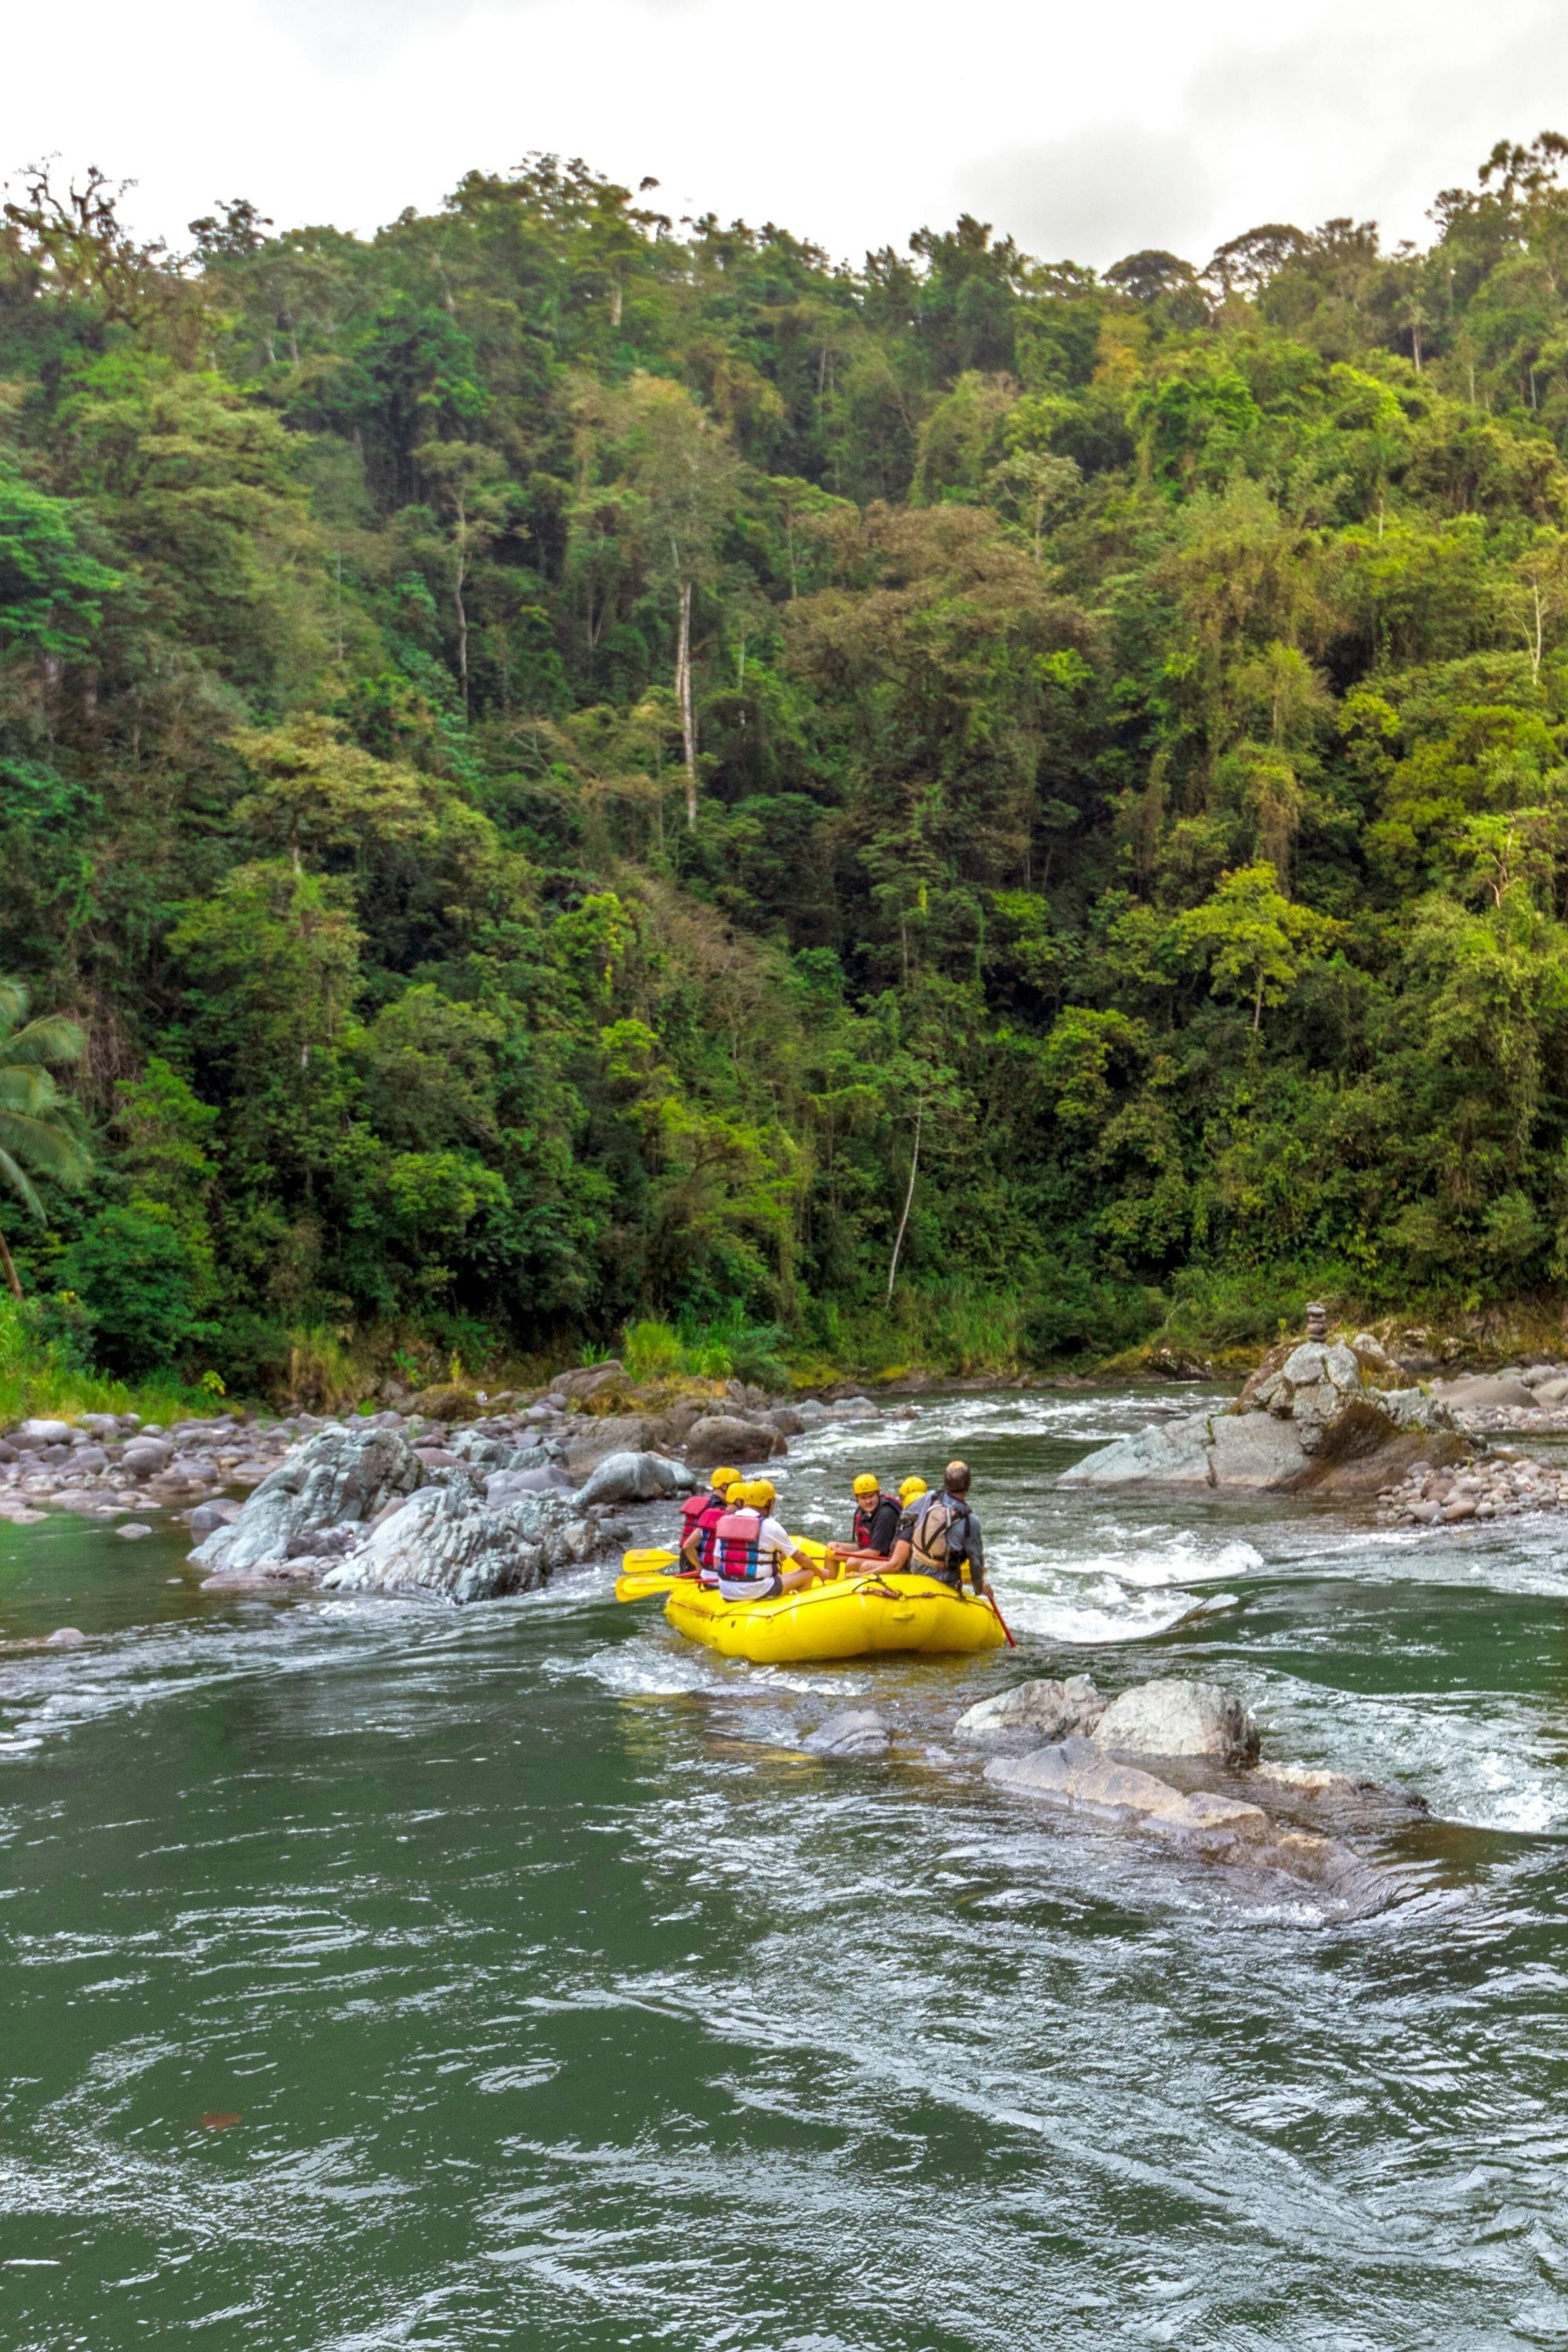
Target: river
[{"x": 380, "y": 1977}]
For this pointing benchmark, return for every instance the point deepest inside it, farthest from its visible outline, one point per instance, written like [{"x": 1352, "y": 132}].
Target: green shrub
[
  {"x": 651, "y": 1351},
  {"x": 1074, "y": 1313},
  {"x": 141, "y": 1283}
]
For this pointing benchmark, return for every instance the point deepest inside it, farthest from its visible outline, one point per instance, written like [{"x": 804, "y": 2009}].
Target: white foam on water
[
  {"x": 1106, "y": 1613},
  {"x": 1180, "y": 1560},
  {"x": 645, "y": 1667},
  {"x": 1489, "y": 1762}
]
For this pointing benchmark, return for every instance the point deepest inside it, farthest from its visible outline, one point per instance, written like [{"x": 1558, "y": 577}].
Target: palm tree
[{"x": 36, "y": 1136}]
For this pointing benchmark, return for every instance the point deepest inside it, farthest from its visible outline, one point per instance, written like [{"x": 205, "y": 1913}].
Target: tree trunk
[
  {"x": 909, "y": 1204},
  {"x": 616, "y": 300},
  {"x": 683, "y": 697},
  {"x": 459, "y": 576},
  {"x": 10, "y": 1269}
]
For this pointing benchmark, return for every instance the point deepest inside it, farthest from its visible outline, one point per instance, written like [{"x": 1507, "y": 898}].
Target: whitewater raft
[{"x": 854, "y": 1618}]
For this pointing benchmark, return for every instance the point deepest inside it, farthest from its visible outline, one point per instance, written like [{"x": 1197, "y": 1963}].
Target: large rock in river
[
  {"x": 340, "y": 1477},
  {"x": 721, "y": 1437},
  {"x": 449, "y": 1543},
  {"x": 1318, "y": 1417},
  {"x": 1042, "y": 1709},
  {"x": 1178, "y": 1719},
  {"x": 637, "y": 1478}
]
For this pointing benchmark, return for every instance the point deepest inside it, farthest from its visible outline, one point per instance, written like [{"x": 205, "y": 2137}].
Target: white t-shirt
[{"x": 774, "y": 1544}]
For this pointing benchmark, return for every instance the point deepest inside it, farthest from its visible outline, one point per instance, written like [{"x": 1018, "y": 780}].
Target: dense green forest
[{"x": 574, "y": 766}]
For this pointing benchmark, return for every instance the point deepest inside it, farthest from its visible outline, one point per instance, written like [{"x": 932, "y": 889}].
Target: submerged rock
[
  {"x": 1178, "y": 1719},
  {"x": 1043, "y": 1709},
  {"x": 446, "y": 1542},
  {"x": 338, "y": 1475},
  {"x": 857, "y": 1732},
  {"x": 1076, "y": 1777}
]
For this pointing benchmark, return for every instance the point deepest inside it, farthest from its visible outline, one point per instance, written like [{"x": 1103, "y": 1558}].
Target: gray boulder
[
  {"x": 41, "y": 1432},
  {"x": 637, "y": 1478},
  {"x": 144, "y": 1456},
  {"x": 1042, "y": 1710},
  {"x": 589, "y": 1441},
  {"x": 504, "y": 1487},
  {"x": 1178, "y": 1719},
  {"x": 1171, "y": 1454},
  {"x": 811, "y": 1413},
  {"x": 786, "y": 1421},
  {"x": 1078, "y": 1777},
  {"x": 857, "y": 1732},
  {"x": 338, "y": 1475},
  {"x": 447, "y": 1543},
  {"x": 591, "y": 1380},
  {"x": 721, "y": 1437},
  {"x": 1487, "y": 1392},
  {"x": 1315, "y": 1416},
  {"x": 208, "y": 1516},
  {"x": 1551, "y": 1392}
]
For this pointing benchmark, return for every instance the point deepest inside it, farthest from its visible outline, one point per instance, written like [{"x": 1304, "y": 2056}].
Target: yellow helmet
[
  {"x": 910, "y": 1488},
  {"x": 735, "y": 1492},
  {"x": 867, "y": 1484},
  {"x": 760, "y": 1495},
  {"x": 723, "y": 1480}
]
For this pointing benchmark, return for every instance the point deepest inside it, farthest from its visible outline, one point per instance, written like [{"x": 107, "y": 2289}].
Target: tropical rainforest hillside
[{"x": 574, "y": 766}]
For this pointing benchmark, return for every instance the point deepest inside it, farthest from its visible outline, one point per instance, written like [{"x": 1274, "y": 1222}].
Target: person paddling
[
  {"x": 751, "y": 1547},
  {"x": 875, "y": 1527},
  {"x": 940, "y": 1537},
  {"x": 699, "y": 1514}
]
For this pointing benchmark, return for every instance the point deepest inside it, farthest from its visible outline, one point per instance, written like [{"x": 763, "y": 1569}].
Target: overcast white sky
[{"x": 1085, "y": 129}]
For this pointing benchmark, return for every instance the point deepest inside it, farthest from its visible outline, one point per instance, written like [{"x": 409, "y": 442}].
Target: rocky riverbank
[{"x": 459, "y": 1494}]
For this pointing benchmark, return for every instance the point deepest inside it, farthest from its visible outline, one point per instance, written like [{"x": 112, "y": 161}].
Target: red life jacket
[
  {"x": 737, "y": 1547},
  {"x": 707, "y": 1542},
  {"x": 694, "y": 1513},
  {"x": 865, "y": 1513}
]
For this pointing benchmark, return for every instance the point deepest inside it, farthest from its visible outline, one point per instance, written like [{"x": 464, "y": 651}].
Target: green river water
[{"x": 379, "y": 1976}]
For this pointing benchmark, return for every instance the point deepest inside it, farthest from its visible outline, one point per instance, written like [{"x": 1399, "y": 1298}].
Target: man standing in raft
[
  {"x": 750, "y": 1547},
  {"x": 940, "y": 1537}
]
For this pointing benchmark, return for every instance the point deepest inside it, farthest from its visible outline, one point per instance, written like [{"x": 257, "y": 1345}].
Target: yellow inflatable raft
[{"x": 846, "y": 1619}]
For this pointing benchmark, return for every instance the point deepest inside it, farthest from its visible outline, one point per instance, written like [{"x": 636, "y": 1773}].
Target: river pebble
[{"x": 1496, "y": 1487}]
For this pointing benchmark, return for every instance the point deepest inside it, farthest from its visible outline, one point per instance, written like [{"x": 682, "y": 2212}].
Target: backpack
[{"x": 940, "y": 1537}]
